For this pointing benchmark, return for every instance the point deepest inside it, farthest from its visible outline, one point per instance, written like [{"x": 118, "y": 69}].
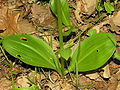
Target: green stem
[
  {"x": 59, "y": 13},
  {"x": 13, "y": 81},
  {"x": 51, "y": 41}
]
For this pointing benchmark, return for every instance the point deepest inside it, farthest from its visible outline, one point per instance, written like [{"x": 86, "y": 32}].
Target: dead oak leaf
[{"x": 8, "y": 22}]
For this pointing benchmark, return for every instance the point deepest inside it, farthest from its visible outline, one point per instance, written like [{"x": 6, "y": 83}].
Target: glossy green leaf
[
  {"x": 31, "y": 50},
  {"x": 94, "y": 52},
  {"x": 108, "y": 7},
  {"x": 65, "y": 11},
  {"x": 33, "y": 87},
  {"x": 65, "y": 53}
]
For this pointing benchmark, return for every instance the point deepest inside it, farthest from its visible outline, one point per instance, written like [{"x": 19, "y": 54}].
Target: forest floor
[{"x": 35, "y": 17}]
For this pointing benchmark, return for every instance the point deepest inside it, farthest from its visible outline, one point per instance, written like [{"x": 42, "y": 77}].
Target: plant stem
[
  {"x": 51, "y": 43},
  {"x": 13, "y": 82},
  {"x": 59, "y": 13},
  {"x": 60, "y": 24}
]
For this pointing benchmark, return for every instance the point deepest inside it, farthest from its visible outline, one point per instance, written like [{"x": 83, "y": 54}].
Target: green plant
[
  {"x": 99, "y": 8},
  {"x": 33, "y": 87},
  {"x": 63, "y": 13},
  {"x": 94, "y": 51},
  {"x": 106, "y": 5},
  {"x": 90, "y": 54}
]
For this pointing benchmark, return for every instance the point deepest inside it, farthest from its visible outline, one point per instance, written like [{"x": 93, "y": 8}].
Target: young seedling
[{"x": 107, "y": 6}]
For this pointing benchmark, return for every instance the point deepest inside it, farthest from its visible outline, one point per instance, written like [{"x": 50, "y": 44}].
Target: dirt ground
[{"x": 35, "y": 17}]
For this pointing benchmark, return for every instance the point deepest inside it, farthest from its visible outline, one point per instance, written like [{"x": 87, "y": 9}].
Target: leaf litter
[{"x": 34, "y": 17}]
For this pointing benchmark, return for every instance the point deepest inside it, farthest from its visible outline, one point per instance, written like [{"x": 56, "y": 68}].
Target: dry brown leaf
[
  {"x": 118, "y": 78},
  {"x": 43, "y": 16},
  {"x": 5, "y": 84},
  {"x": 79, "y": 9},
  {"x": 8, "y": 22},
  {"x": 25, "y": 26},
  {"x": 116, "y": 19},
  {"x": 106, "y": 73},
  {"x": 115, "y": 22},
  {"x": 113, "y": 83},
  {"x": 118, "y": 87},
  {"x": 22, "y": 81},
  {"x": 84, "y": 6},
  {"x": 61, "y": 85},
  {"x": 2, "y": 2},
  {"x": 93, "y": 76}
]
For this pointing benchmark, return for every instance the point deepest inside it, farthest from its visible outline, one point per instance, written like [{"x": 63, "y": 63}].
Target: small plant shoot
[{"x": 108, "y": 7}]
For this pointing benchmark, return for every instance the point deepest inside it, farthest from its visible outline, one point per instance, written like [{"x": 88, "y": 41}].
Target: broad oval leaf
[
  {"x": 93, "y": 52},
  {"x": 31, "y": 50}
]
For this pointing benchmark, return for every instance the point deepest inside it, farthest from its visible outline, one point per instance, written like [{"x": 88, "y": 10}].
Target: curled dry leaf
[{"x": 8, "y": 22}]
